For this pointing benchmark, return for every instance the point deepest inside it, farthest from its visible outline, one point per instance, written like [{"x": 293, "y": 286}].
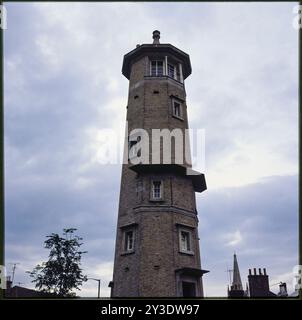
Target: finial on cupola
[{"x": 156, "y": 36}]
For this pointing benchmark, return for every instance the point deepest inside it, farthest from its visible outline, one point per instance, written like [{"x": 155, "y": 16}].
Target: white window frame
[
  {"x": 180, "y": 109},
  {"x": 126, "y": 248},
  {"x": 174, "y": 71},
  {"x": 190, "y": 242},
  {"x": 177, "y": 74},
  {"x": 156, "y": 67},
  {"x": 160, "y": 198}
]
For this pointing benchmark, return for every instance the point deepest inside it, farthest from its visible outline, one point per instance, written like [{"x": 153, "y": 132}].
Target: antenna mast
[{"x": 14, "y": 264}]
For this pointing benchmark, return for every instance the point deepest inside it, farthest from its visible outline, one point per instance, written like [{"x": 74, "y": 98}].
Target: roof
[
  {"x": 191, "y": 271},
  {"x": 149, "y": 49},
  {"x": 18, "y": 291},
  {"x": 197, "y": 178}
]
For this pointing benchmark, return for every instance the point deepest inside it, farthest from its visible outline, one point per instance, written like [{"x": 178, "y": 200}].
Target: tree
[{"x": 61, "y": 273}]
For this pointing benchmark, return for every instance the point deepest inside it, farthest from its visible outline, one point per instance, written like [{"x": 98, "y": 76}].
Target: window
[
  {"x": 157, "y": 68},
  {"x": 174, "y": 71},
  {"x": 171, "y": 70},
  {"x": 185, "y": 241},
  {"x": 177, "y": 109},
  {"x": 128, "y": 235},
  {"x": 177, "y": 112},
  {"x": 156, "y": 189},
  {"x": 129, "y": 241}
]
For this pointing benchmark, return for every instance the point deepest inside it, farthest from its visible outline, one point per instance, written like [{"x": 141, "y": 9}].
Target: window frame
[
  {"x": 156, "y": 67},
  {"x": 125, "y": 247},
  {"x": 166, "y": 62},
  {"x": 169, "y": 64},
  {"x": 180, "y": 103},
  {"x": 161, "y": 198},
  {"x": 129, "y": 238},
  {"x": 190, "y": 241}
]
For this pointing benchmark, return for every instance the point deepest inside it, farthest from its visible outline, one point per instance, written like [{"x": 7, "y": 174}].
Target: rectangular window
[
  {"x": 157, "y": 68},
  {"x": 185, "y": 241},
  {"x": 156, "y": 189},
  {"x": 129, "y": 240},
  {"x": 177, "y": 109},
  {"x": 177, "y": 112},
  {"x": 171, "y": 70}
]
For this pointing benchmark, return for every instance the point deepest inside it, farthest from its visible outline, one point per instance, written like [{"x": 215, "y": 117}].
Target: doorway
[{"x": 188, "y": 289}]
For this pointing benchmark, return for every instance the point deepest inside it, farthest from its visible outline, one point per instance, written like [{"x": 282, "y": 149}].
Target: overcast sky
[{"x": 63, "y": 86}]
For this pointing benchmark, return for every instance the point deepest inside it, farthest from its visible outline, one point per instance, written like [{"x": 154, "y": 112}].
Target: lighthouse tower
[{"x": 157, "y": 244}]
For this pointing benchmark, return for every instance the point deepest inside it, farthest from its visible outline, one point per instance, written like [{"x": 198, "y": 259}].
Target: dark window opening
[
  {"x": 188, "y": 289},
  {"x": 156, "y": 92},
  {"x": 136, "y": 97}
]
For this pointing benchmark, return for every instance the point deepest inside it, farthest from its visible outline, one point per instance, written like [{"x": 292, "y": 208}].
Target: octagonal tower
[{"x": 157, "y": 244}]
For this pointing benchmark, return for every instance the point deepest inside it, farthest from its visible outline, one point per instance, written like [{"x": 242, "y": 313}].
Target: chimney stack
[{"x": 8, "y": 283}]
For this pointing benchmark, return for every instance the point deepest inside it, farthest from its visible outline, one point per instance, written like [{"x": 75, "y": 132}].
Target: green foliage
[{"x": 61, "y": 273}]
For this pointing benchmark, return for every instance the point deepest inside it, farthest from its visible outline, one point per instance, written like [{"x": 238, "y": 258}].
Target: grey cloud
[{"x": 243, "y": 88}]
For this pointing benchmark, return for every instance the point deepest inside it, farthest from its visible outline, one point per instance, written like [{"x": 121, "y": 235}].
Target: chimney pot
[
  {"x": 255, "y": 271},
  {"x": 156, "y": 37},
  {"x": 260, "y": 272},
  {"x": 250, "y": 271}
]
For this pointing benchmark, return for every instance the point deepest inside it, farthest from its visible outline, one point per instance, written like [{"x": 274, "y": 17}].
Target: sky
[{"x": 63, "y": 86}]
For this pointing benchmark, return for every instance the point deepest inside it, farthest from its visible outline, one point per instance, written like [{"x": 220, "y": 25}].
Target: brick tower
[{"x": 157, "y": 243}]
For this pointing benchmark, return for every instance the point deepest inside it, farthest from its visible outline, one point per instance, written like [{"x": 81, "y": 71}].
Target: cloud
[
  {"x": 250, "y": 220},
  {"x": 233, "y": 238},
  {"x": 63, "y": 87}
]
